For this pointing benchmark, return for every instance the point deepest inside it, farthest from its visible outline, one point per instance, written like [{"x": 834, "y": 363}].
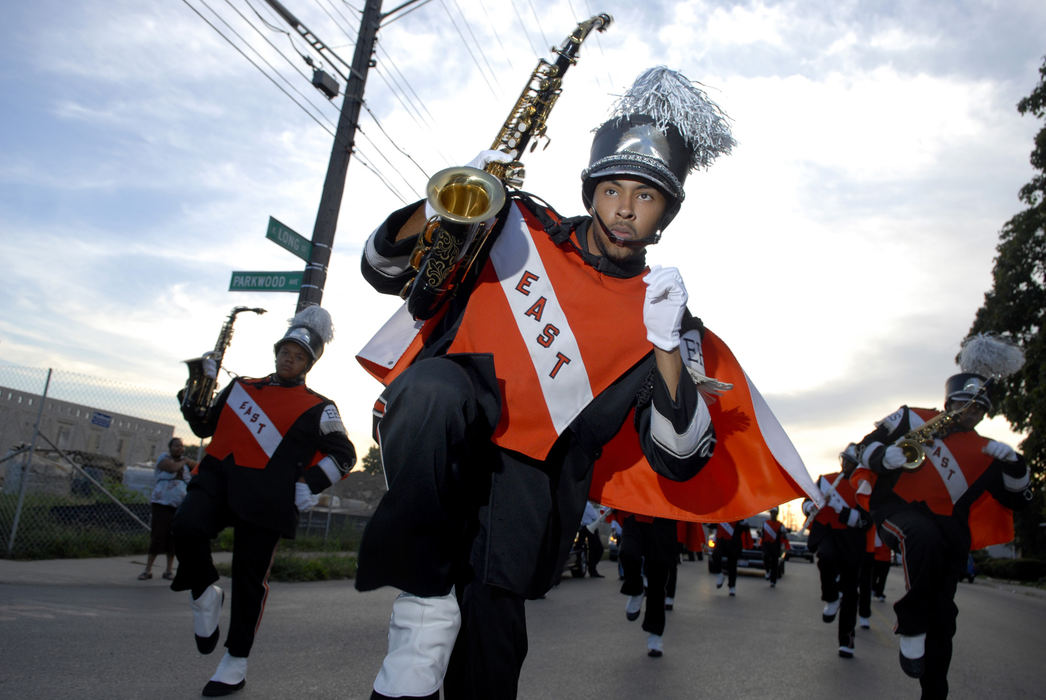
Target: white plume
[
  {"x": 315, "y": 318},
  {"x": 669, "y": 97},
  {"x": 990, "y": 356}
]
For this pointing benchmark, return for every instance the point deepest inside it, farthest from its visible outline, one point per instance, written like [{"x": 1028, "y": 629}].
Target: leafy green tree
[
  {"x": 371, "y": 461},
  {"x": 1016, "y": 307}
]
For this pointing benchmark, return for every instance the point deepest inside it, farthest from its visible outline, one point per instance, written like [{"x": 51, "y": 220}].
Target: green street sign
[
  {"x": 287, "y": 238},
  {"x": 266, "y": 281}
]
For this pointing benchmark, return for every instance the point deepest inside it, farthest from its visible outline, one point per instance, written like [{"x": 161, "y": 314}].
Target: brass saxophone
[
  {"x": 465, "y": 198},
  {"x": 943, "y": 424},
  {"x": 199, "y": 390}
]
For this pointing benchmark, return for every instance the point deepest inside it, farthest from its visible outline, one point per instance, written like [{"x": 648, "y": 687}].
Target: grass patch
[{"x": 296, "y": 567}]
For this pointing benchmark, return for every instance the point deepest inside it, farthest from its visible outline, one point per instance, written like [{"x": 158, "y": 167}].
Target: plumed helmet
[
  {"x": 310, "y": 328},
  {"x": 660, "y": 130},
  {"x": 964, "y": 386},
  {"x": 982, "y": 356}
]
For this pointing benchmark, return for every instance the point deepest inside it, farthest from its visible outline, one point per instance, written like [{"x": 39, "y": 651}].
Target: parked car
[{"x": 798, "y": 548}]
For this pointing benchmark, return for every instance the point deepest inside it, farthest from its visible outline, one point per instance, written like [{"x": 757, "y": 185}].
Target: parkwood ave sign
[{"x": 266, "y": 281}]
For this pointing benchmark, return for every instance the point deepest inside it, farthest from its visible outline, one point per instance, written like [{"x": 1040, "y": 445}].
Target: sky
[{"x": 841, "y": 250}]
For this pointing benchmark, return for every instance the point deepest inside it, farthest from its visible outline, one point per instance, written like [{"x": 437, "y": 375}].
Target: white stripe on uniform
[{"x": 257, "y": 423}]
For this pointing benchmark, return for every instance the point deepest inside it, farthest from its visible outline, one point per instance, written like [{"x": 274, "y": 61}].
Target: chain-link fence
[
  {"x": 76, "y": 462},
  {"x": 76, "y": 468}
]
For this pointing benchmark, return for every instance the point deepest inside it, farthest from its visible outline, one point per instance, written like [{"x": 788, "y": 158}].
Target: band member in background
[
  {"x": 933, "y": 510},
  {"x": 276, "y": 443},
  {"x": 648, "y": 551},
  {"x": 730, "y": 539},
  {"x": 771, "y": 540},
  {"x": 882, "y": 560},
  {"x": 837, "y": 536},
  {"x": 489, "y": 456},
  {"x": 589, "y": 532}
]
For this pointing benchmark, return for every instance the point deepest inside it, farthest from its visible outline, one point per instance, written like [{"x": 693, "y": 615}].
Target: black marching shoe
[
  {"x": 230, "y": 677},
  {"x": 217, "y": 689}
]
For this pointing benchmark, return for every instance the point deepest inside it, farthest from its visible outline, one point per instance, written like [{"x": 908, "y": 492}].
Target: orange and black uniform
[
  {"x": 771, "y": 540},
  {"x": 488, "y": 458},
  {"x": 959, "y": 499},
  {"x": 266, "y": 435},
  {"x": 837, "y": 536},
  {"x": 730, "y": 539},
  {"x": 648, "y": 549}
]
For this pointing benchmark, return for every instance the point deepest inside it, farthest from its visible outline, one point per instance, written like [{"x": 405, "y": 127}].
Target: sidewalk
[{"x": 109, "y": 571}]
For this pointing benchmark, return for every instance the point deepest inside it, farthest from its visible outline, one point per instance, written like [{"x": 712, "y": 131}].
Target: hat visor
[{"x": 635, "y": 169}]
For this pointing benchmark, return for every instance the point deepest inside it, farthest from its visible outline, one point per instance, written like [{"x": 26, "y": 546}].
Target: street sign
[
  {"x": 266, "y": 281},
  {"x": 287, "y": 238}
]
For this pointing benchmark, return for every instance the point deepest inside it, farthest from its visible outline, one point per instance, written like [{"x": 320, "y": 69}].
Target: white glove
[
  {"x": 663, "y": 307},
  {"x": 209, "y": 366},
  {"x": 1000, "y": 451},
  {"x": 304, "y": 498},
  {"x": 484, "y": 158},
  {"x": 893, "y": 457},
  {"x": 479, "y": 162},
  {"x": 809, "y": 507}
]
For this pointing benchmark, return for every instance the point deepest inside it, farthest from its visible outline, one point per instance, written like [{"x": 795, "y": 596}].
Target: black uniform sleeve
[
  {"x": 333, "y": 443},
  {"x": 204, "y": 425},
  {"x": 1014, "y": 492},
  {"x": 385, "y": 262},
  {"x": 677, "y": 436}
]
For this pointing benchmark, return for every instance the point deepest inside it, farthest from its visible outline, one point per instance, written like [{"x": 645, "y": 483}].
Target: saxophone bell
[
  {"x": 464, "y": 195},
  {"x": 914, "y": 454}
]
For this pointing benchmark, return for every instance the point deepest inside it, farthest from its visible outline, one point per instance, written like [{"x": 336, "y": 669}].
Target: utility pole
[{"x": 344, "y": 137}]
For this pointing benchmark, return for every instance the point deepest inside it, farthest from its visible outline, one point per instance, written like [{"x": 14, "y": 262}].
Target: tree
[
  {"x": 371, "y": 461},
  {"x": 1016, "y": 307}
]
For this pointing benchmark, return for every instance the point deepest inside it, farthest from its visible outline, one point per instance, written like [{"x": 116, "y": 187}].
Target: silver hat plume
[
  {"x": 989, "y": 355},
  {"x": 672, "y": 99},
  {"x": 315, "y": 318}
]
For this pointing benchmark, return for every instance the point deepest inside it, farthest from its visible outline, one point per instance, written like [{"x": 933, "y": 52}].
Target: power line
[
  {"x": 335, "y": 21},
  {"x": 393, "y": 142},
  {"x": 398, "y": 72},
  {"x": 537, "y": 20},
  {"x": 259, "y": 68},
  {"x": 524, "y": 26},
  {"x": 464, "y": 42}
]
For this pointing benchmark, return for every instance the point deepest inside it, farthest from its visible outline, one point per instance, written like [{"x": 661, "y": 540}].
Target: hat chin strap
[{"x": 637, "y": 243}]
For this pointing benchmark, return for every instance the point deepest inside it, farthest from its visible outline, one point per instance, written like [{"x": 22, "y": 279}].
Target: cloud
[{"x": 841, "y": 251}]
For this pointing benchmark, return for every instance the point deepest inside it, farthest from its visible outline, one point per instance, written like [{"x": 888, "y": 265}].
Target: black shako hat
[
  {"x": 311, "y": 328},
  {"x": 660, "y": 130}
]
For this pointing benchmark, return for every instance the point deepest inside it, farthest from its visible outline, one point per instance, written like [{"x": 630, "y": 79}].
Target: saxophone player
[
  {"x": 960, "y": 498},
  {"x": 274, "y": 444},
  {"x": 489, "y": 435}
]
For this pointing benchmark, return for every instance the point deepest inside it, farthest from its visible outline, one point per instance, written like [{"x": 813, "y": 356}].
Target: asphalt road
[{"x": 88, "y": 629}]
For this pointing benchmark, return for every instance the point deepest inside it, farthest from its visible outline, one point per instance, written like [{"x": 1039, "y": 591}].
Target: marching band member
[
  {"x": 837, "y": 536},
  {"x": 771, "y": 540},
  {"x": 730, "y": 539},
  {"x": 489, "y": 436},
  {"x": 934, "y": 508},
  {"x": 274, "y": 444}
]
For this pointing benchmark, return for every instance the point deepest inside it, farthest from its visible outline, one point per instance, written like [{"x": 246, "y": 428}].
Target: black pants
[
  {"x": 648, "y": 548},
  {"x": 934, "y": 549},
  {"x": 724, "y": 558},
  {"x": 839, "y": 564},
  {"x": 772, "y": 560},
  {"x": 864, "y": 585},
  {"x": 594, "y": 549},
  {"x": 880, "y": 570},
  {"x": 161, "y": 541},
  {"x": 199, "y": 520},
  {"x": 491, "y": 645}
]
